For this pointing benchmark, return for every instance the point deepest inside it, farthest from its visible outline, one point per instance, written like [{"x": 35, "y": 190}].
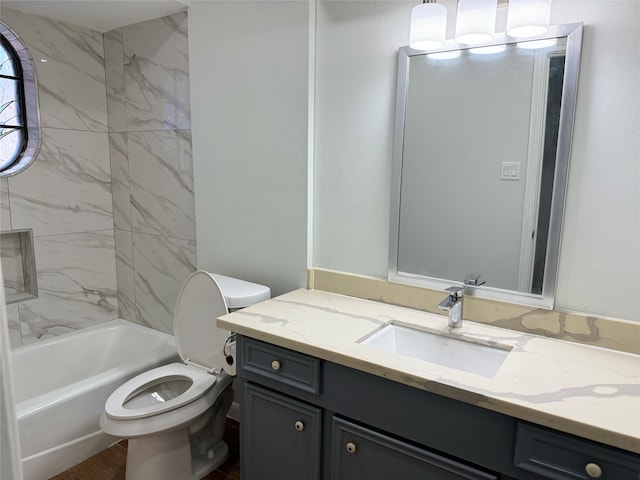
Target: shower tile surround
[
  {"x": 110, "y": 198},
  {"x": 151, "y": 166},
  {"x": 65, "y": 195}
]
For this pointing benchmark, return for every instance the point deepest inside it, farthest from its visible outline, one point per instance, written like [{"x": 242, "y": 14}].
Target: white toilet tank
[{"x": 240, "y": 293}]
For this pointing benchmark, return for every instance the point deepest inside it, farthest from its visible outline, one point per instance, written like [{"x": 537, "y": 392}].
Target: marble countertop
[{"x": 583, "y": 390}]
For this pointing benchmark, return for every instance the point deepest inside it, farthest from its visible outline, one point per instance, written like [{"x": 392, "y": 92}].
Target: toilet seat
[
  {"x": 201, "y": 383},
  {"x": 170, "y": 420},
  {"x": 200, "y": 345},
  {"x": 199, "y": 341}
]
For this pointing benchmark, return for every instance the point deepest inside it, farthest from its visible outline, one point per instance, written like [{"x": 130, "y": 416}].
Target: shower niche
[{"x": 18, "y": 265}]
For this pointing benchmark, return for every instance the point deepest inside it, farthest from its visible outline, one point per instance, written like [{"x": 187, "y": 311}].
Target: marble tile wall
[
  {"x": 15, "y": 338},
  {"x": 110, "y": 197},
  {"x": 65, "y": 195},
  {"x": 147, "y": 73}
]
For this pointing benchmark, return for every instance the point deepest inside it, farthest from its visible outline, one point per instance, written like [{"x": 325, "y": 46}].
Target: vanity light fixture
[
  {"x": 528, "y": 18},
  {"x": 428, "y": 25},
  {"x": 476, "y": 21}
]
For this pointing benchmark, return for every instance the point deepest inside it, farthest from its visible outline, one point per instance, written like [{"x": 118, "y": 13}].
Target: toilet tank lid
[{"x": 240, "y": 293}]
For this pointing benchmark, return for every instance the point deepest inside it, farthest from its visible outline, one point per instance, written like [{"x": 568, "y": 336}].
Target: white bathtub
[{"x": 61, "y": 385}]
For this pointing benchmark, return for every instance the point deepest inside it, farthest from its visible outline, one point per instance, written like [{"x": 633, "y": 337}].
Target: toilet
[{"x": 174, "y": 416}]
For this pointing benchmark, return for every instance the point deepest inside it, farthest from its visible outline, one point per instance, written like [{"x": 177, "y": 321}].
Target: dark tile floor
[{"x": 110, "y": 464}]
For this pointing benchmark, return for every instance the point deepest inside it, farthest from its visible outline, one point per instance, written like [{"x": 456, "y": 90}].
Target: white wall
[
  {"x": 249, "y": 80},
  {"x": 600, "y": 253},
  {"x": 356, "y": 60},
  {"x": 357, "y": 42}
]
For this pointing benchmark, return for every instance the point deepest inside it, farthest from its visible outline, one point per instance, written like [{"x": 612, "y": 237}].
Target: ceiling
[
  {"x": 105, "y": 15},
  {"x": 99, "y": 15}
]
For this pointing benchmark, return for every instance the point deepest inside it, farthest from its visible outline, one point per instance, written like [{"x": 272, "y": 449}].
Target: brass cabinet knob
[
  {"x": 275, "y": 365},
  {"x": 299, "y": 426},
  {"x": 593, "y": 470},
  {"x": 351, "y": 447}
]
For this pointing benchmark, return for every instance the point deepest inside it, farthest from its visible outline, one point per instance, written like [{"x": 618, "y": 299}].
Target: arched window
[{"x": 19, "y": 131}]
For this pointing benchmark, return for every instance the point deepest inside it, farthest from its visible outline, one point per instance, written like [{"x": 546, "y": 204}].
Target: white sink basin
[{"x": 467, "y": 355}]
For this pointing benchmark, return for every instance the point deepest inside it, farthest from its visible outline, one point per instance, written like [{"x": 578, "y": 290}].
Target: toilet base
[
  {"x": 205, "y": 464},
  {"x": 165, "y": 456},
  {"x": 168, "y": 457}
]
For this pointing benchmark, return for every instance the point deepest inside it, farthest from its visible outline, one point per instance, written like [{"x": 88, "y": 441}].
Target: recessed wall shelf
[{"x": 18, "y": 265}]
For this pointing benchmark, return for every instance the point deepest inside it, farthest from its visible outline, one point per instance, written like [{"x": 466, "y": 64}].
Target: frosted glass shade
[
  {"x": 528, "y": 18},
  {"x": 476, "y": 21},
  {"x": 428, "y": 26}
]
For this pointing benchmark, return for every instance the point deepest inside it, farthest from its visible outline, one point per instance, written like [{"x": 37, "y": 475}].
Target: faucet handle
[
  {"x": 455, "y": 292},
  {"x": 473, "y": 279}
]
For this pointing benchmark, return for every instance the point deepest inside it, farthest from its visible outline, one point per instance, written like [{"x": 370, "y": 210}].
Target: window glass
[
  {"x": 19, "y": 135},
  {"x": 10, "y": 105},
  {"x": 6, "y": 62},
  {"x": 11, "y": 143}
]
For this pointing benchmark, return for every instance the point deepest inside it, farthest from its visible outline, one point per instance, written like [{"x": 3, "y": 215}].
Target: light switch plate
[{"x": 510, "y": 171}]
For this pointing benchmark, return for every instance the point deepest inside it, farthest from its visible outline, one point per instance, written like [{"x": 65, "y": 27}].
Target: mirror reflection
[{"x": 480, "y": 162}]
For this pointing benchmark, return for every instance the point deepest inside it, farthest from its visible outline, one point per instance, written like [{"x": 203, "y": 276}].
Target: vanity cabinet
[
  {"x": 281, "y": 436},
  {"x": 308, "y": 419}
]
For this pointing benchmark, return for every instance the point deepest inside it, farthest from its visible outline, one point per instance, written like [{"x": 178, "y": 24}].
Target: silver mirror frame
[{"x": 573, "y": 33}]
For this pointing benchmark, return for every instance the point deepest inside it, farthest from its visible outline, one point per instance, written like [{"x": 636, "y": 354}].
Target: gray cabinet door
[
  {"x": 280, "y": 437},
  {"x": 359, "y": 453},
  {"x": 557, "y": 456}
]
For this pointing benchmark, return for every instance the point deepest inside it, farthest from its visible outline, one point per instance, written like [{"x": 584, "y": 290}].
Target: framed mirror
[{"x": 480, "y": 164}]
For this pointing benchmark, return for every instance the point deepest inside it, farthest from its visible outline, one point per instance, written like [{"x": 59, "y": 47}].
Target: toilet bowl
[{"x": 174, "y": 416}]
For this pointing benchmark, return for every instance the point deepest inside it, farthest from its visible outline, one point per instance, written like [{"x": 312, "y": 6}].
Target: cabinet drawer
[
  {"x": 559, "y": 456},
  {"x": 279, "y": 364},
  {"x": 360, "y": 453}
]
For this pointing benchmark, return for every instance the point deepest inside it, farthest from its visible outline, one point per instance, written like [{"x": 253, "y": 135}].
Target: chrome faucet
[{"x": 453, "y": 304}]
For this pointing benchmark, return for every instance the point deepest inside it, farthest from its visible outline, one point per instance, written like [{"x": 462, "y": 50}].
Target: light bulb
[
  {"x": 528, "y": 18},
  {"x": 428, "y": 26},
  {"x": 476, "y": 21}
]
